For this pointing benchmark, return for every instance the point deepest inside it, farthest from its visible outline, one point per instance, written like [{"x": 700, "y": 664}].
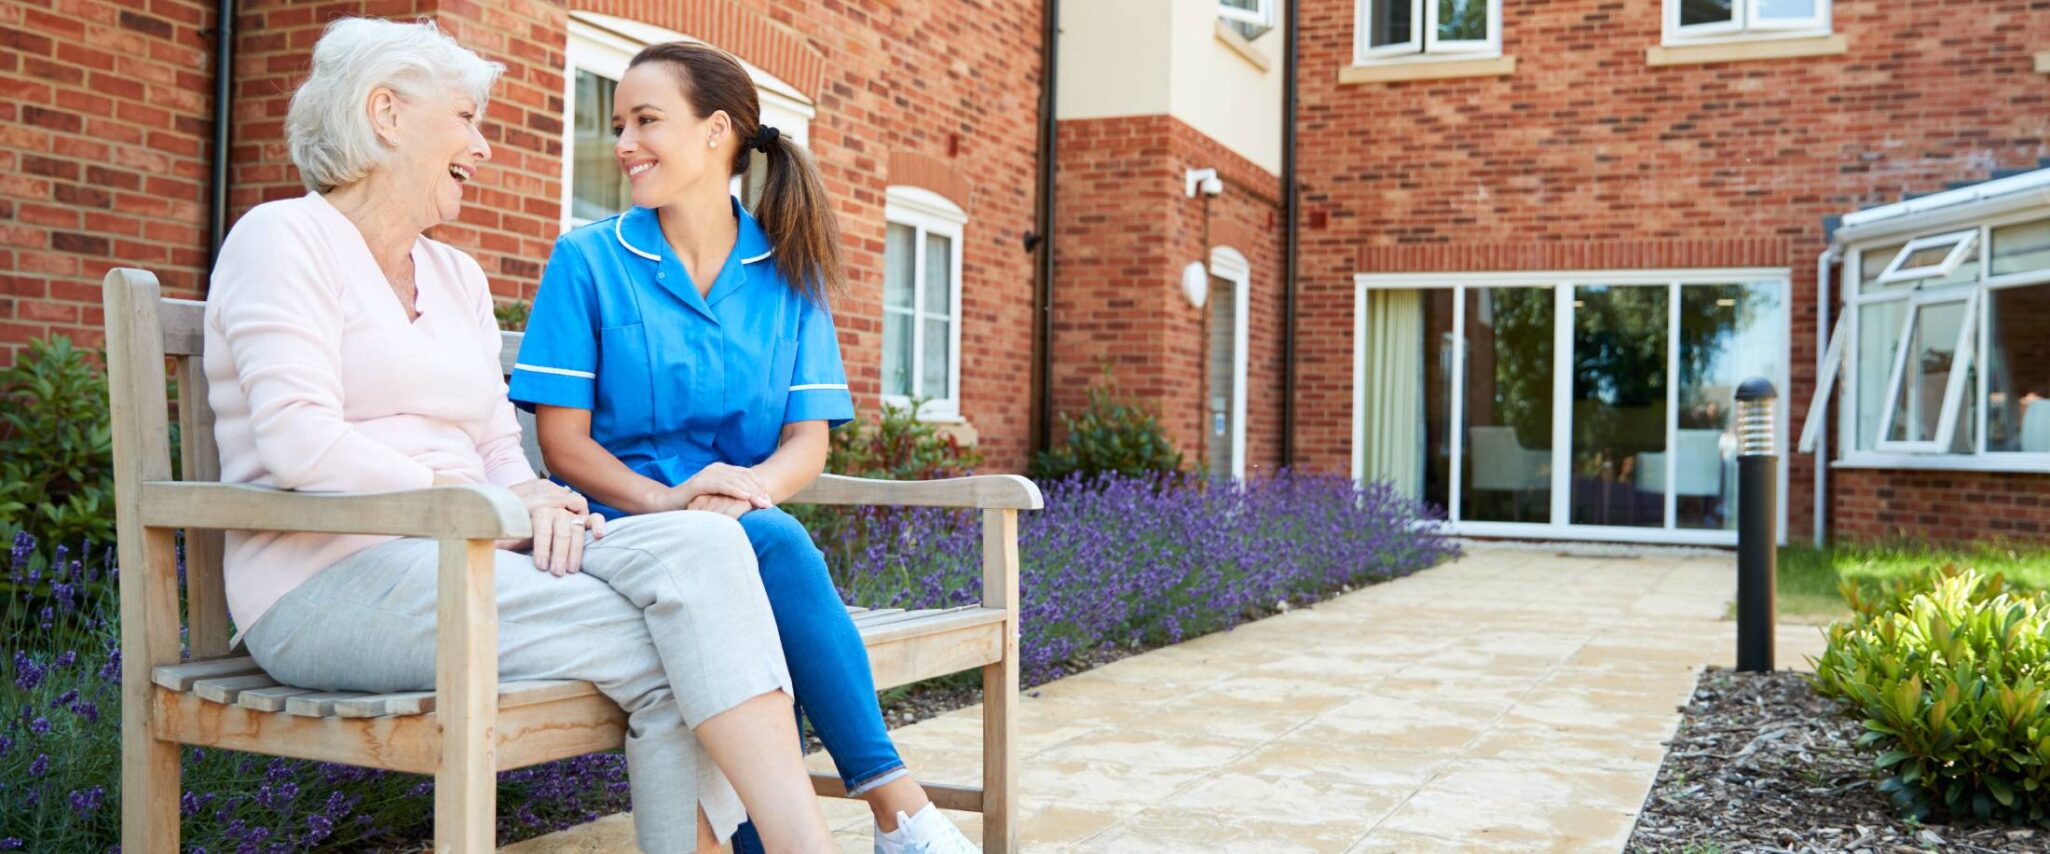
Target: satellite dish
[{"x": 1195, "y": 283}]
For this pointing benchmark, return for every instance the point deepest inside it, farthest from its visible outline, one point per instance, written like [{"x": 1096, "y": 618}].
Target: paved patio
[{"x": 1514, "y": 700}]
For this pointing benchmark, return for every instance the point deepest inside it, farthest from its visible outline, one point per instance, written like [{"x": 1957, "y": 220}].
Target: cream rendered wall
[
  {"x": 1221, "y": 93},
  {"x": 1114, "y": 58},
  {"x": 1148, "y": 57}
]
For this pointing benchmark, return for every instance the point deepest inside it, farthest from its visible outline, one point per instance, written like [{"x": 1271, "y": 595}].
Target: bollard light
[
  {"x": 1757, "y": 523},
  {"x": 1756, "y": 402}
]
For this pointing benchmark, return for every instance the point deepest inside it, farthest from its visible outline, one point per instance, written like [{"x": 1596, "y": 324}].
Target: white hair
[{"x": 327, "y": 129}]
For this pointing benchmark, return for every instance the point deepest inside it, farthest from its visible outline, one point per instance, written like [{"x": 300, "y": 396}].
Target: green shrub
[
  {"x": 1949, "y": 672},
  {"x": 1111, "y": 436},
  {"x": 512, "y": 316},
  {"x": 56, "y": 447},
  {"x": 898, "y": 446}
]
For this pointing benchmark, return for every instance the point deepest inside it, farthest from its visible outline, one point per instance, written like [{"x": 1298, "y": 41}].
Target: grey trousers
[{"x": 667, "y": 618}]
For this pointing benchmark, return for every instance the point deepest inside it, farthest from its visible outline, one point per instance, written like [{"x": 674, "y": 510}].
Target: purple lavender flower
[
  {"x": 40, "y": 766},
  {"x": 85, "y": 802},
  {"x": 27, "y": 674}
]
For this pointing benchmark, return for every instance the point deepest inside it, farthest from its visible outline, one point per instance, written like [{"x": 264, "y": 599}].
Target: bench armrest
[
  {"x": 468, "y": 512},
  {"x": 986, "y": 492}
]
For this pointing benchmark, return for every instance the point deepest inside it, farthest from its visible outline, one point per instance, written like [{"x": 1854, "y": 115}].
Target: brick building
[
  {"x": 1539, "y": 243},
  {"x": 1621, "y": 208}
]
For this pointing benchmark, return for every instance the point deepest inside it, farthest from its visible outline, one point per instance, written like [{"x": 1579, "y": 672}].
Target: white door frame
[{"x": 1231, "y": 265}]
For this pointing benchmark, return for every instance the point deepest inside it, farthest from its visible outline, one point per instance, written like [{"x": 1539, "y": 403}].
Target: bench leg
[
  {"x": 466, "y": 700},
  {"x": 149, "y": 787},
  {"x": 999, "y": 754}
]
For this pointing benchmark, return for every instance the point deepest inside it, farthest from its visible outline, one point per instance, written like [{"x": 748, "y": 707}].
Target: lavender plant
[
  {"x": 1142, "y": 561},
  {"x": 1112, "y": 562},
  {"x": 60, "y": 750}
]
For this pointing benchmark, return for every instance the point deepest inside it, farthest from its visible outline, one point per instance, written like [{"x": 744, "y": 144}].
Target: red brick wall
[
  {"x": 107, "y": 108},
  {"x": 1586, "y": 144},
  {"x": 1126, "y": 229},
  {"x": 512, "y": 211},
  {"x": 1877, "y": 505},
  {"x": 104, "y": 111}
]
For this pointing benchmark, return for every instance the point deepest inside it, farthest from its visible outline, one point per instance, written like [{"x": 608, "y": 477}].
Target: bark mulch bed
[{"x": 1763, "y": 764}]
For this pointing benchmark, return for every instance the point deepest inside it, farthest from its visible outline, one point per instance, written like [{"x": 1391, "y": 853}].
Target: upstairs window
[
  {"x": 1250, "y": 18},
  {"x": 1397, "y": 30},
  {"x": 1716, "y": 20}
]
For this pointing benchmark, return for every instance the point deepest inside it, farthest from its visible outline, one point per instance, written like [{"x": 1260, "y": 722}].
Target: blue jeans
[{"x": 829, "y": 674}]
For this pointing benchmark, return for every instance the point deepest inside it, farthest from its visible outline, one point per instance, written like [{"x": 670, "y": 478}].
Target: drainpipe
[
  {"x": 1823, "y": 263},
  {"x": 1290, "y": 219},
  {"x": 1042, "y": 296},
  {"x": 224, "y": 93}
]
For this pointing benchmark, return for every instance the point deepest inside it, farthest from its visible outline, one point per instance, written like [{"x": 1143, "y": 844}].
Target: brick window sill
[
  {"x": 1438, "y": 69},
  {"x": 1746, "y": 50}
]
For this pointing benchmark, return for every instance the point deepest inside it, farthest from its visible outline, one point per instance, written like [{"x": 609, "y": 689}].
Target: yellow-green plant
[{"x": 1948, "y": 671}]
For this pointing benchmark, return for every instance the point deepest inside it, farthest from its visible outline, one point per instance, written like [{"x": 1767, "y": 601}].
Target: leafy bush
[
  {"x": 899, "y": 447},
  {"x": 1111, "y": 436},
  {"x": 512, "y": 316},
  {"x": 56, "y": 447},
  {"x": 1949, "y": 672}
]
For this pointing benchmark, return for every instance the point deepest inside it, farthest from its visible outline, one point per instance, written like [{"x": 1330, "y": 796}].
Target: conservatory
[{"x": 1940, "y": 356}]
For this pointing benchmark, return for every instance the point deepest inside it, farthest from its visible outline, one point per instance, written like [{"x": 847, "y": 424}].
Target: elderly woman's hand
[{"x": 560, "y": 516}]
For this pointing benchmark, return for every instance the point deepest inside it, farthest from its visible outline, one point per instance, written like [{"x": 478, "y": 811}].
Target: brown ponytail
[{"x": 794, "y": 209}]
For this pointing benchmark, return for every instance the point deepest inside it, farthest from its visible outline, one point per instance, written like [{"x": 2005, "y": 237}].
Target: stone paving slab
[{"x": 1513, "y": 700}]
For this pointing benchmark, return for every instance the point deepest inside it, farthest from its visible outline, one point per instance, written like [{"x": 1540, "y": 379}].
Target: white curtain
[{"x": 1393, "y": 418}]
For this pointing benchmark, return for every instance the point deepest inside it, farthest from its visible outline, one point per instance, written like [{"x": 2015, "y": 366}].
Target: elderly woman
[{"x": 349, "y": 353}]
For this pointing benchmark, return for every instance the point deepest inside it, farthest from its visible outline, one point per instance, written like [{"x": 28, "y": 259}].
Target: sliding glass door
[{"x": 1598, "y": 407}]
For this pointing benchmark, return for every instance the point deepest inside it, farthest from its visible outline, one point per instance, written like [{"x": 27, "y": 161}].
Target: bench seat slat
[
  {"x": 179, "y": 677},
  {"x": 238, "y": 681},
  {"x": 227, "y": 688},
  {"x": 319, "y": 704}
]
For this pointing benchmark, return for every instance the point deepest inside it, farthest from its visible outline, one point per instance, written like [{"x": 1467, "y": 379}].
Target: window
[
  {"x": 1251, "y": 18},
  {"x": 1398, "y": 30},
  {"x": 1569, "y": 404},
  {"x": 1940, "y": 350},
  {"x": 922, "y": 302},
  {"x": 599, "y": 48},
  {"x": 1688, "y": 20}
]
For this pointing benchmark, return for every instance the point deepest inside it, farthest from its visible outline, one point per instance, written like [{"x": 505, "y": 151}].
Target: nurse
[{"x": 681, "y": 355}]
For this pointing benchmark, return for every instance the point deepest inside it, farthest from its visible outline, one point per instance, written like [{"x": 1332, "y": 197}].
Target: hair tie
[{"x": 765, "y": 139}]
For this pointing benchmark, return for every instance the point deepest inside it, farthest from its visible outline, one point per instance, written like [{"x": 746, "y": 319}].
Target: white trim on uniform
[
  {"x": 616, "y": 221},
  {"x": 820, "y": 387},
  {"x": 772, "y": 251},
  {"x": 557, "y": 371}
]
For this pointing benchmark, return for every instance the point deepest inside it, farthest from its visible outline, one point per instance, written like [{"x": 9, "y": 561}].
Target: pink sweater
[{"x": 319, "y": 383}]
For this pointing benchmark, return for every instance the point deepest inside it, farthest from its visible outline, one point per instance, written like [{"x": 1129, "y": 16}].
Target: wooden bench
[{"x": 470, "y": 726}]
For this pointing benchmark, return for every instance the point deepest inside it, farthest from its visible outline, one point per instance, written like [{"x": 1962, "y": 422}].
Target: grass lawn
[{"x": 1808, "y": 577}]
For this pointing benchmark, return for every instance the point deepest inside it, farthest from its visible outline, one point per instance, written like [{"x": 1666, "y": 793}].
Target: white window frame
[
  {"x": 926, "y": 212},
  {"x": 1424, "y": 44},
  {"x": 1962, "y": 244},
  {"x": 1953, "y": 387},
  {"x": 1745, "y": 23},
  {"x": 1563, "y": 284},
  {"x": 1935, "y": 455},
  {"x": 603, "y": 45},
  {"x": 1259, "y": 17},
  {"x": 1231, "y": 265}
]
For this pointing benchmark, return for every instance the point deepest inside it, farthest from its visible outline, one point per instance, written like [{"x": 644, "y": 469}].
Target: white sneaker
[{"x": 928, "y": 832}]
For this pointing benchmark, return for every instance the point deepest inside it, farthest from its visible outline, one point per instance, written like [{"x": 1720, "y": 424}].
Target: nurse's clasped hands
[{"x": 729, "y": 490}]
